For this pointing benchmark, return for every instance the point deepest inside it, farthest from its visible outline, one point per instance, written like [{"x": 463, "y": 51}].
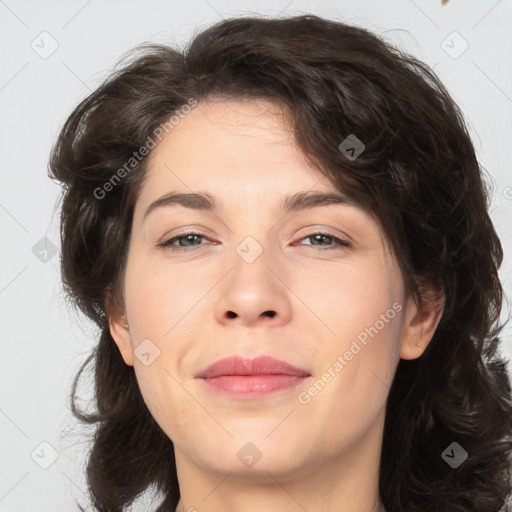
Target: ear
[
  {"x": 119, "y": 331},
  {"x": 118, "y": 326},
  {"x": 421, "y": 318}
]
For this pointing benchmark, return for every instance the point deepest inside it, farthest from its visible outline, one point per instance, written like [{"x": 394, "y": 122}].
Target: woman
[{"x": 283, "y": 235}]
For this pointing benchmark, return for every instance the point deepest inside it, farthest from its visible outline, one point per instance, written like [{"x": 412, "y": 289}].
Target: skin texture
[{"x": 319, "y": 455}]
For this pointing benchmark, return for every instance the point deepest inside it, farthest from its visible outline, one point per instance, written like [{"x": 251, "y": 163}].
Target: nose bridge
[
  {"x": 250, "y": 250},
  {"x": 251, "y": 264},
  {"x": 251, "y": 231}
]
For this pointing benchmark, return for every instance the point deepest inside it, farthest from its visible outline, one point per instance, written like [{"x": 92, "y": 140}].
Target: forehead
[{"x": 235, "y": 147}]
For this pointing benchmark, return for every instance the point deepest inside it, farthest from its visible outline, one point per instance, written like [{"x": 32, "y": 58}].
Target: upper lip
[{"x": 261, "y": 365}]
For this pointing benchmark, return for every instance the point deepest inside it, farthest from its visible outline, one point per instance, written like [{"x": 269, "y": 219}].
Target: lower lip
[{"x": 252, "y": 386}]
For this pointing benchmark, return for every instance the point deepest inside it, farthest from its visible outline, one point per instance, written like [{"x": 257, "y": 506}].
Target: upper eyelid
[{"x": 311, "y": 230}]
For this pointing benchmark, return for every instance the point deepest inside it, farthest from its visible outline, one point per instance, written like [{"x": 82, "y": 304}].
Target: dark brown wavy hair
[{"x": 419, "y": 176}]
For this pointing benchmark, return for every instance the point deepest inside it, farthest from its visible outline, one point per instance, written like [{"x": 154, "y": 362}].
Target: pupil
[{"x": 189, "y": 237}]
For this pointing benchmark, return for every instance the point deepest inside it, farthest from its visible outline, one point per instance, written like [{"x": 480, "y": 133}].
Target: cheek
[
  {"x": 159, "y": 296},
  {"x": 160, "y": 302},
  {"x": 165, "y": 398},
  {"x": 362, "y": 309},
  {"x": 360, "y": 303}
]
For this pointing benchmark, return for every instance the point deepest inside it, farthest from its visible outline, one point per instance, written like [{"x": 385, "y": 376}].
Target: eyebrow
[{"x": 208, "y": 202}]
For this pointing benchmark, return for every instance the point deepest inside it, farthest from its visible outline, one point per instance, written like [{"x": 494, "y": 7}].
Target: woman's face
[{"x": 313, "y": 286}]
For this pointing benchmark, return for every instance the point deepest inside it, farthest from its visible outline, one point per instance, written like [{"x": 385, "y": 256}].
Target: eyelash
[{"x": 166, "y": 244}]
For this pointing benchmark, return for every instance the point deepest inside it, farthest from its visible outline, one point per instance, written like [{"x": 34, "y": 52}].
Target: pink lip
[{"x": 251, "y": 378}]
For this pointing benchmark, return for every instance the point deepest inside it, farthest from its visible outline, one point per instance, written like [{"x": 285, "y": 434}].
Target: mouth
[{"x": 239, "y": 377}]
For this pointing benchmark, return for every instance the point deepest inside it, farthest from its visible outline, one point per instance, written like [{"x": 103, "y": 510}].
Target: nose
[{"x": 254, "y": 293}]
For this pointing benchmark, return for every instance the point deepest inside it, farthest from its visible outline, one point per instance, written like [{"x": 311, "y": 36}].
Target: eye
[
  {"x": 318, "y": 237},
  {"x": 190, "y": 238}
]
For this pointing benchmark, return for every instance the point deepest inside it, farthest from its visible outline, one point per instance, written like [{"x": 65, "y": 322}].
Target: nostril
[{"x": 231, "y": 314}]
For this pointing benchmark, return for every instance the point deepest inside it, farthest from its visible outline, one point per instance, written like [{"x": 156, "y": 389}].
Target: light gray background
[{"x": 42, "y": 341}]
